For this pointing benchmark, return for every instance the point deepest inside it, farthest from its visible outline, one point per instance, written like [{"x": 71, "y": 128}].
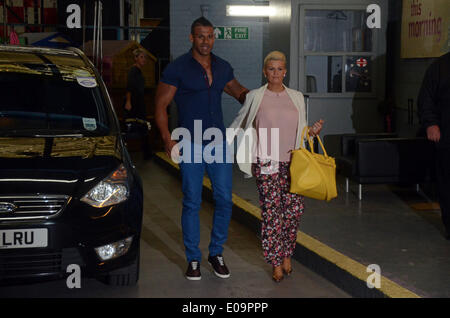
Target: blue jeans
[{"x": 220, "y": 175}]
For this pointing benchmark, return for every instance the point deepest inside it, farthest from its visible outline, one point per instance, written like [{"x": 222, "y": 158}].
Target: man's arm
[
  {"x": 131, "y": 83},
  {"x": 164, "y": 95},
  {"x": 128, "y": 101},
  {"x": 236, "y": 90},
  {"x": 426, "y": 102}
]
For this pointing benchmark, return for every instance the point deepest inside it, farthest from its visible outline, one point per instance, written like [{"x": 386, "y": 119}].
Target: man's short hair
[{"x": 202, "y": 21}]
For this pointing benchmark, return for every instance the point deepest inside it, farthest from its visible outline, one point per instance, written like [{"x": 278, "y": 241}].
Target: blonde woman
[
  {"x": 275, "y": 106},
  {"x": 135, "y": 107}
]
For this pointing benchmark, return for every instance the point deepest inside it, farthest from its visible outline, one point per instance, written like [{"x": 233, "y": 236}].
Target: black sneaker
[
  {"x": 220, "y": 269},
  {"x": 193, "y": 271}
]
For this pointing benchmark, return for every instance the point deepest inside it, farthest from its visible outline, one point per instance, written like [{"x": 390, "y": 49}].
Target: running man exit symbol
[
  {"x": 231, "y": 33},
  {"x": 228, "y": 33}
]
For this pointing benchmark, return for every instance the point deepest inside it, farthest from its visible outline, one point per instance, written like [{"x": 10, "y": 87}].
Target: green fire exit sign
[{"x": 231, "y": 33}]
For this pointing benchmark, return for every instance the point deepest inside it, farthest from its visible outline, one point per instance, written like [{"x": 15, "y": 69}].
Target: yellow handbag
[{"x": 313, "y": 175}]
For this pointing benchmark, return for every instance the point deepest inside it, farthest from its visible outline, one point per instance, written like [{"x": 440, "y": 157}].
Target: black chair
[{"x": 376, "y": 160}]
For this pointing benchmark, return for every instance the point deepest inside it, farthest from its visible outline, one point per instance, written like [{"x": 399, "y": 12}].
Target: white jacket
[{"x": 245, "y": 120}]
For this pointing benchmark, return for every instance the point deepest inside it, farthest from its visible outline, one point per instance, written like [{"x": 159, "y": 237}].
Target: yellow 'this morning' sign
[{"x": 425, "y": 28}]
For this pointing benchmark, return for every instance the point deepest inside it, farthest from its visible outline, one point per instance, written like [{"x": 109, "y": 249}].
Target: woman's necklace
[{"x": 277, "y": 91}]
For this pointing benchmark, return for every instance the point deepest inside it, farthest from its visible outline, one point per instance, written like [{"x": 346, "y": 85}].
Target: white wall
[{"x": 245, "y": 56}]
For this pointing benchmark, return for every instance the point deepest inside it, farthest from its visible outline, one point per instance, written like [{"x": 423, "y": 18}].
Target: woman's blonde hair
[
  {"x": 138, "y": 52},
  {"x": 275, "y": 56}
]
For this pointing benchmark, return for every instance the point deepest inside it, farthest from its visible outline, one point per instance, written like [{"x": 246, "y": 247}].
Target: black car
[{"x": 69, "y": 193}]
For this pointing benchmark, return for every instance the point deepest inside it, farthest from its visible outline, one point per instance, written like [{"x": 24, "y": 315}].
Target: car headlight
[
  {"x": 113, "y": 250},
  {"x": 110, "y": 191}
]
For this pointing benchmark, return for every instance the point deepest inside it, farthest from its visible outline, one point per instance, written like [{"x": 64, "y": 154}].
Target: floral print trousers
[{"x": 281, "y": 211}]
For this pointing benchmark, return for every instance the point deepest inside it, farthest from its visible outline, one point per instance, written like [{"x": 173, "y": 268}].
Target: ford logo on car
[{"x": 6, "y": 207}]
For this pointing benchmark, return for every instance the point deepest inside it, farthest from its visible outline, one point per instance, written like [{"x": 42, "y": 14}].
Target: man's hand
[
  {"x": 128, "y": 105},
  {"x": 434, "y": 133},
  {"x": 169, "y": 146},
  {"x": 236, "y": 90}
]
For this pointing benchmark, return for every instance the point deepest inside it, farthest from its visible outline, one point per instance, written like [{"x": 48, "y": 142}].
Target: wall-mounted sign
[
  {"x": 231, "y": 33},
  {"x": 361, "y": 62},
  {"x": 358, "y": 73},
  {"x": 425, "y": 28}
]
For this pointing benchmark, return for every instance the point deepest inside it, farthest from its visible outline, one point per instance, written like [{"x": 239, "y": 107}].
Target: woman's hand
[{"x": 315, "y": 129}]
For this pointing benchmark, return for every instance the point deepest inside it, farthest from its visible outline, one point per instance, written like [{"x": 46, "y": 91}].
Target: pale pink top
[{"x": 277, "y": 111}]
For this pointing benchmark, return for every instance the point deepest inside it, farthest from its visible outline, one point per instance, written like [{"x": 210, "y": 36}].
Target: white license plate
[{"x": 23, "y": 238}]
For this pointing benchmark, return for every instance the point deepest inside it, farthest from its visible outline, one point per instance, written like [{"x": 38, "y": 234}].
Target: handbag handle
[{"x": 306, "y": 130}]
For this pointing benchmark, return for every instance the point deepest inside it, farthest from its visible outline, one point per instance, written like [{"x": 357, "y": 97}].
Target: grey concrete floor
[
  {"x": 163, "y": 262},
  {"x": 382, "y": 229}
]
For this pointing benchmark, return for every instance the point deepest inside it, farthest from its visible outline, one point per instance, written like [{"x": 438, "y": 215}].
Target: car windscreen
[{"x": 43, "y": 104}]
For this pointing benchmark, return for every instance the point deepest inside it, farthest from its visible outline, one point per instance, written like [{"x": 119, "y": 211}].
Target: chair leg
[
  {"x": 347, "y": 185},
  {"x": 360, "y": 192}
]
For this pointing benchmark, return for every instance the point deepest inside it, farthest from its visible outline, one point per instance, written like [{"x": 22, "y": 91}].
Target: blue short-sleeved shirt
[{"x": 195, "y": 99}]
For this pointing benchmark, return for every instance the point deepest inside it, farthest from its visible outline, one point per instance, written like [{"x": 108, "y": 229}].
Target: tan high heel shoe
[
  {"x": 277, "y": 274},
  {"x": 287, "y": 266}
]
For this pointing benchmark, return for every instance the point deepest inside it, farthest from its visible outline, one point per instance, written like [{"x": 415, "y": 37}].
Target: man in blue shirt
[{"x": 195, "y": 81}]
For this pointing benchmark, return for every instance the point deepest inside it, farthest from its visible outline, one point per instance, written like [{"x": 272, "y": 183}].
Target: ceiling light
[{"x": 250, "y": 11}]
